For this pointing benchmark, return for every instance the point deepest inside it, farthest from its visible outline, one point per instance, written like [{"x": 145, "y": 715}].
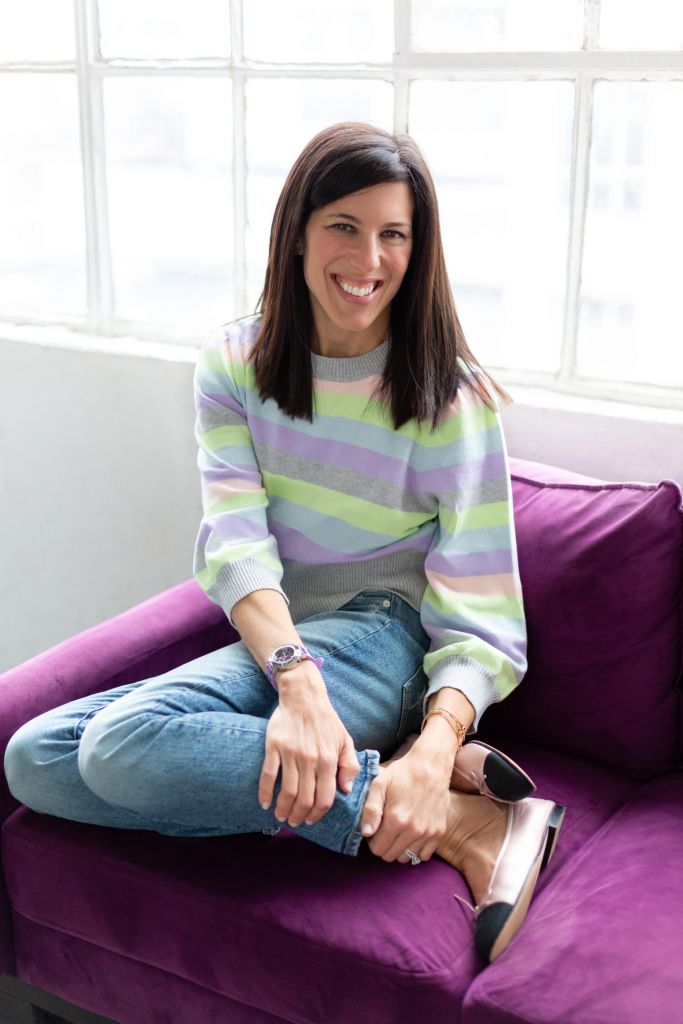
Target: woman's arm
[
  {"x": 472, "y": 608},
  {"x": 305, "y": 736}
]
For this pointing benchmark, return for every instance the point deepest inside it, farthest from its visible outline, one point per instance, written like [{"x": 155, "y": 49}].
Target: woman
[{"x": 358, "y": 534}]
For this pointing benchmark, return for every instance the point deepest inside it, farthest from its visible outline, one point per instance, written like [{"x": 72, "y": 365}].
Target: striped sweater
[{"x": 319, "y": 511}]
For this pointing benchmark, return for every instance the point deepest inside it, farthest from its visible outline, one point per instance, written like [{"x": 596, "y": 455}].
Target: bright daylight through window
[{"x": 145, "y": 143}]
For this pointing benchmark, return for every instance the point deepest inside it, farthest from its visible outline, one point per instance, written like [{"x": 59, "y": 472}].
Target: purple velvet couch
[{"x": 254, "y": 929}]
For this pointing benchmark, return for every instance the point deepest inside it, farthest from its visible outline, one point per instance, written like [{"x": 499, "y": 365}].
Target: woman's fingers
[
  {"x": 289, "y": 788},
  {"x": 268, "y": 777},
  {"x": 325, "y": 792},
  {"x": 305, "y": 795}
]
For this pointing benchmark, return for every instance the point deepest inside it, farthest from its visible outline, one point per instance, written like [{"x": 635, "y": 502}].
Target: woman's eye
[{"x": 350, "y": 226}]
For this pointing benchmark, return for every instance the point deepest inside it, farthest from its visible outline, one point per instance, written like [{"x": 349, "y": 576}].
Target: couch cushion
[
  {"x": 602, "y": 570},
  {"x": 603, "y": 942},
  {"x": 276, "y": 923}
]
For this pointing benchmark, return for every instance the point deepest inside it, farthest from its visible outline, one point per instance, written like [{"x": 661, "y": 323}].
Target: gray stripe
[
  {"x": 381, "y": 492},
  {"x": 346, "y": 481},
  {"x": 210, "y": 419},
  {"x": 324, "y": 588},
  {"x": 350, "y": 368}
]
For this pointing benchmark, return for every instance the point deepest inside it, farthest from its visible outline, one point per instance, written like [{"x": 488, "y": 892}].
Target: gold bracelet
[{"x": 455, "y": 723}]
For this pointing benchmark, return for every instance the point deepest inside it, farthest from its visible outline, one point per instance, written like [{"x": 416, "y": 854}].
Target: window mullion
[
  {"x": 100, "y": 287},
  {"x": 583, "y": 115},
  {"x": 239, "y": 159},
  {"x": 591, "y": 24},
  {"x": 400, "y": 79}
]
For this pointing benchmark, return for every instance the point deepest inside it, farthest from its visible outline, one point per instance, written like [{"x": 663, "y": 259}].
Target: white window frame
[{"x": 581, "y": 67}]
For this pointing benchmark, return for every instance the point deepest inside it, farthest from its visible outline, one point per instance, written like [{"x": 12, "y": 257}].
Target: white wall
[{"x": 99, "y": 490}]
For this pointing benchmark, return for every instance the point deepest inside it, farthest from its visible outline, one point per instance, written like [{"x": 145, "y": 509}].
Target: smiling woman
[{"x": 358, "y": 533}]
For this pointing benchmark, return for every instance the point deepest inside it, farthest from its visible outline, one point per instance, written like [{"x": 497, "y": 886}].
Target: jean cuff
[{"x": 369, "y": 769}]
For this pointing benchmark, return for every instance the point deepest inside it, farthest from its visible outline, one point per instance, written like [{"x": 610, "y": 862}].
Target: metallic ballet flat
[
  {"x": 479, "y": 768},
  {"x": 530, "y": 838}
]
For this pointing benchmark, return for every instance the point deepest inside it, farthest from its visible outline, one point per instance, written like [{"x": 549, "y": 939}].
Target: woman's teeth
[{"x": 352, "y": 290}]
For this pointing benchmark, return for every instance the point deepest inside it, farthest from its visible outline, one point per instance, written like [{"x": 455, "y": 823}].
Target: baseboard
[{"x": 25, "y": 1004}]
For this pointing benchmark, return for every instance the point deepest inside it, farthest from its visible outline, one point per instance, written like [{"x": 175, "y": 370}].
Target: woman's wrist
[{"x": 440, "y": 737}]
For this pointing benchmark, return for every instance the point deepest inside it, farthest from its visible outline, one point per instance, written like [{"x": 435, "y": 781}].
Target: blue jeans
[{"x": 182, "y": 753}]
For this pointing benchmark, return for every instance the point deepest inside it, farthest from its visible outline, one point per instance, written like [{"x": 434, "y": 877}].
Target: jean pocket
[{"x": 412, "y": 696}]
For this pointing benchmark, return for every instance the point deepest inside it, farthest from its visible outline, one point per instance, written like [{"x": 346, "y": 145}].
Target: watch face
[{"x": 285, "y": 655}]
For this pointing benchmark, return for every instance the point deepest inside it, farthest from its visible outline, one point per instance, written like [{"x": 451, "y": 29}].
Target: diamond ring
[{"x": 414, "y": 859}]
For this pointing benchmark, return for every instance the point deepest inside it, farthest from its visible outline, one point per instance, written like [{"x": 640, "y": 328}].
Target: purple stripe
[
  {"x": 461, "y": 474},
  {"x": 292, "y": 544},
  {"x": 207, "y": 401},
  {"x": 236, "y": 528},
  {"x": 509, "y": 645},
  {"x": 328, "y": 452},
  {"x": 241, "y": 471},
  {"x": 479, "y": 563},
  {"x": 375, "y": 464}
]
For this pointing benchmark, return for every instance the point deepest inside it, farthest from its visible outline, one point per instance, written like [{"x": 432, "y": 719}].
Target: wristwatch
[{"x": 286, "y": 657}]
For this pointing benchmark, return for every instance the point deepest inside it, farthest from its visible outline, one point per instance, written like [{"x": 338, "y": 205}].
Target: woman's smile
[{"x": 358, "y": 291}]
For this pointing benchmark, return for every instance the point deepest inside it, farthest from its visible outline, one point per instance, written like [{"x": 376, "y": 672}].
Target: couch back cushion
[{"x": 602, "y": 576}]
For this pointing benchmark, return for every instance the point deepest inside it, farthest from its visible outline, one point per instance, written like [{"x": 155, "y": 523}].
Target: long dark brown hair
[{"x": 428, "y": 350}]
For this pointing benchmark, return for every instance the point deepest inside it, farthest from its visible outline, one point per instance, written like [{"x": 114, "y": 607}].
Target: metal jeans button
[{"x": 386, "y": 603}]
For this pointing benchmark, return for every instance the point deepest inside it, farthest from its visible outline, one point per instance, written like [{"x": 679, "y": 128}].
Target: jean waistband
[{"x": 391, "y": 604}]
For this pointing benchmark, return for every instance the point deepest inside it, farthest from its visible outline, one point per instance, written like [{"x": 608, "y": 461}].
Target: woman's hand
[
  {"x": 307, "y": 738},
  {"x": 407, "y": 808}
]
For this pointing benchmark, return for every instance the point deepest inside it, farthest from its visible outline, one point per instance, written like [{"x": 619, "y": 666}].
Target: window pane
[
  {"x": 275, "y": 139},
  {"x": 164, "y": 28},
  {"x": 42, "y": 232},
  {"x": 169, "y": 155},
  {"x": 37, "y": 30},
  {"x": 630, "y": 324},
  {"x": 496, "y": 24},
  {"x": 500, "y": 155},
  {"x": 634, "y": 25},
  {"x": 322, "y": 33}
]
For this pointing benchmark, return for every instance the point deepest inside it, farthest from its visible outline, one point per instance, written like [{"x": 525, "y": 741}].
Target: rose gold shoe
[
  {"x": 479, "y": 768},
  {"x": 530, "y": 838}
]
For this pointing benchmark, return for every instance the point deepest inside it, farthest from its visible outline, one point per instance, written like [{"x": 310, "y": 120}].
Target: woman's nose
[{"x": 368, "y": 254}]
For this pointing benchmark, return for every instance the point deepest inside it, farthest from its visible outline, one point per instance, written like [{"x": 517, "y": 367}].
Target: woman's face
[{"x": 356, "y": 253}]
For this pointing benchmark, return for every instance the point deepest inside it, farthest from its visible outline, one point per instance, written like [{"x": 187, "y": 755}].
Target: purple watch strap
[{"x": 306, "y": 655}]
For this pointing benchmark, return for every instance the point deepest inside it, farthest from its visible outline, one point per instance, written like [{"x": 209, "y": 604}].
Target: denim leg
[{"x": 182, "y": 753}]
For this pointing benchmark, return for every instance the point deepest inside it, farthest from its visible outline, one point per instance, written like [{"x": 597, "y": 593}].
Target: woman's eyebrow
[{"x": 390, "y": 224}]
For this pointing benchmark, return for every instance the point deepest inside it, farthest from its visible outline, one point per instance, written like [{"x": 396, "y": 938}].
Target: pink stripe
[
  {"x": 485, "y": 586},
  {"x": 363, "y": 387},
  {"x": 234, "y": 485}
]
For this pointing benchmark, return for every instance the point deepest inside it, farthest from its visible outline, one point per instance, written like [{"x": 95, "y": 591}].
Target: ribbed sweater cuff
[
  {"x": 238, "y": 579},
  {"x": 468, "y": 676}
]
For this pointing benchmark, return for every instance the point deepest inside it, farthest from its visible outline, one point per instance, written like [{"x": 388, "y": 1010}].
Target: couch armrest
[
  {"x": 169, "y": 629},
  {"x": 174, "y": 627}
]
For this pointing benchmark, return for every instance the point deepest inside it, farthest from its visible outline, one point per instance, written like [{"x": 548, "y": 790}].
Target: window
[{"x": 145, "y": 143}]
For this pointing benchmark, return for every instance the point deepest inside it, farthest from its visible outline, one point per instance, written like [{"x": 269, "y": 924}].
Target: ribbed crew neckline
[{"x": 350, "y": 367}]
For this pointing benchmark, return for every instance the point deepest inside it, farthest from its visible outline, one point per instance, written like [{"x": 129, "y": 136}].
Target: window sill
[
  {"x": 60, "y": 337},
  {"x": 546, "y": 398}
]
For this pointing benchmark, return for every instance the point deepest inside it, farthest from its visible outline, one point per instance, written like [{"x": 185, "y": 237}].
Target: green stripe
[
  {"x": 365, "y": 515},
  {"x": 452, "y": 602},
  {"x": 225, "y": 437},
  {"x": 242, "y": 500},
  {"x": 494, "y": 661},
  {"x": 374, "y": 413},
  {"x": 228, "y": 553}
]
